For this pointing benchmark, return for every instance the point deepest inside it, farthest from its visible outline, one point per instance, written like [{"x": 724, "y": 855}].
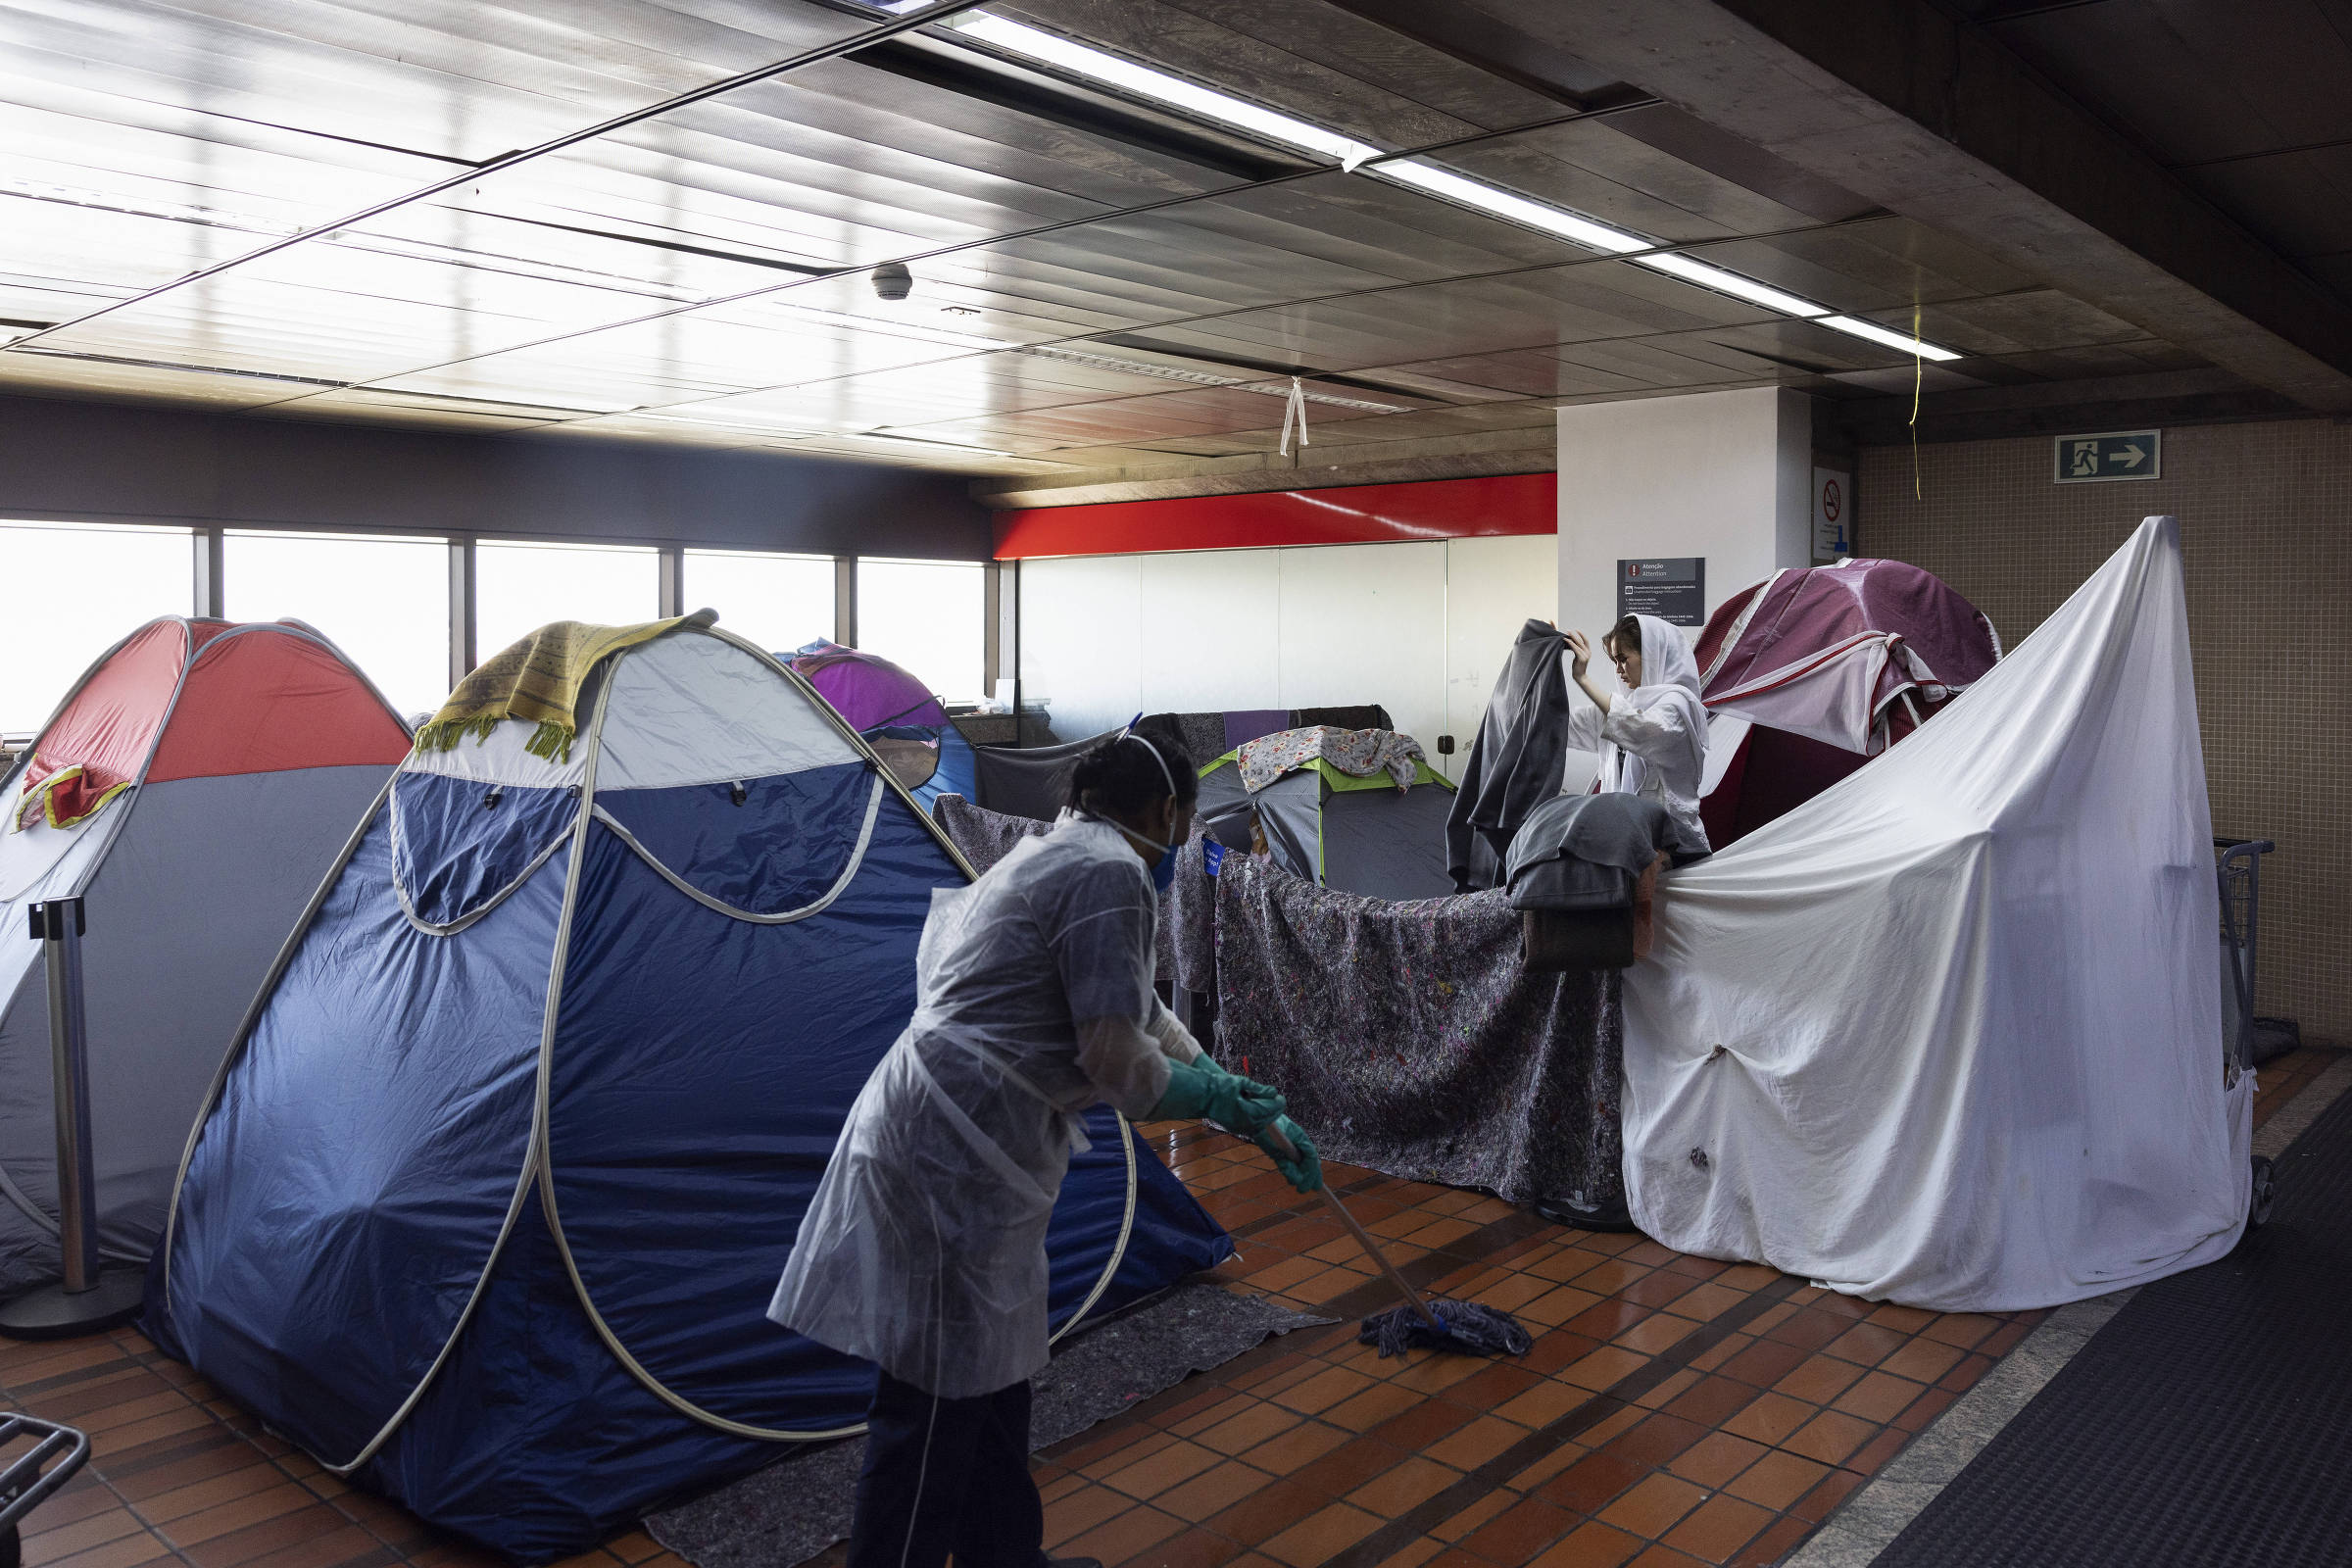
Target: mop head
[{"x": 1469, "y": 1329}]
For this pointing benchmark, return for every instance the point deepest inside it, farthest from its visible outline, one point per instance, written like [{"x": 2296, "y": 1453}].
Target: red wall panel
[{"x": 1344, "y": 514}]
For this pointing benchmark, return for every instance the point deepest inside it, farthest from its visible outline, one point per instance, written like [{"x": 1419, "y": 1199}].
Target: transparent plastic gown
[{"x": 923, "y": 1250}]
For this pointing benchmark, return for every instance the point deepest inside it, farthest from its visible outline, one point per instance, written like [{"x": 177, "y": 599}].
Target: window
[
  {"x": 519, "y": 588},
  {"x": 929, "y": 617},
  {"x": 779, "y": 601},
  {"x": 70, "y": 591},
  {"x": 384, "y": 601}
]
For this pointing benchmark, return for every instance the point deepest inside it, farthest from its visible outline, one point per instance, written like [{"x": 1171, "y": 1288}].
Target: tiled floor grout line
[
  {"x": 1868, "y": 1522},
  {"x": 1545, "y": 1440},
  {"x": 1378, "y": 1295}
]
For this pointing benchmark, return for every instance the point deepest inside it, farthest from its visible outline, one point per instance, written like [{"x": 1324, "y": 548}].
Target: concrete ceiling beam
[{"x": 1911, "y": 109}]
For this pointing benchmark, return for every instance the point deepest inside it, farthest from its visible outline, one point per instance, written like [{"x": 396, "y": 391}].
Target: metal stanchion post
[{"x": 88, "y": 1296}]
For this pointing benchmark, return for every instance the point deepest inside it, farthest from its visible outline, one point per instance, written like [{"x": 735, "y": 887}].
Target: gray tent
[
  {"x": 1357, "y": 835},
  {"x": 192, "y": 790}
]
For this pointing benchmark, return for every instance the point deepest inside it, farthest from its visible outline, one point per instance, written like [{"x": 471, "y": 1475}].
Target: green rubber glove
[
  {"x": 1300, "y": 1167},
  {"x": 1231, "y": 1101}
]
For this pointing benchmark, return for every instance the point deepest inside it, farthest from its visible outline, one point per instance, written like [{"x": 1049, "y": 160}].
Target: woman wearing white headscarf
[{"x": 1653, "y": 734}]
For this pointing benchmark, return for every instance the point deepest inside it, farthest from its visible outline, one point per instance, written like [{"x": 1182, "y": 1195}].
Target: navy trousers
[{"x": 947, "y": 1477}]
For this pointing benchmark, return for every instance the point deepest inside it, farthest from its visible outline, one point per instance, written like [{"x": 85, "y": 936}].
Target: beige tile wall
[{"x": 2266, "y": 528}]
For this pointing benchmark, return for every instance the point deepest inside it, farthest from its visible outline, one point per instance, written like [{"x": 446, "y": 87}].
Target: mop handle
[{"x": 1363, "y": 1237}]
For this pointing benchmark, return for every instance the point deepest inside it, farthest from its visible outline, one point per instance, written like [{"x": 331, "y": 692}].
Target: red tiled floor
[{"x": 1674, "y": 1410}]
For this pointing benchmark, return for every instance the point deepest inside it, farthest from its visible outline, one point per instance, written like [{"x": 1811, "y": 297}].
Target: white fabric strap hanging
[{"x": 1295, "y": 411}]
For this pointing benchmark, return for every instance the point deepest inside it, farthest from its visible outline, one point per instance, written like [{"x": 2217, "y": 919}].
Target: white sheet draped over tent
[{"x": 1948, "y": 1033}]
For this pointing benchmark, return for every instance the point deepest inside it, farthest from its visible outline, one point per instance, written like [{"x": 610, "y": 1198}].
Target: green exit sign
[{"x": 2110, "y": 455}]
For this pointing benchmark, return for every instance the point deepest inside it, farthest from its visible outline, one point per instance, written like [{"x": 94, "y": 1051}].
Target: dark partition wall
[{"x": 103, "y": 461}]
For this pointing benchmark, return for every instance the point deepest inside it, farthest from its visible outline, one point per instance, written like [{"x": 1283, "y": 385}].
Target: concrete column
[
  {"x": 670, "y": 585},
  {"x": 844, "y": 600},
  {"x": 211, "y": 587},
  {"x": 1723, "y": 475},
  {"x": 462, "y": 657}
]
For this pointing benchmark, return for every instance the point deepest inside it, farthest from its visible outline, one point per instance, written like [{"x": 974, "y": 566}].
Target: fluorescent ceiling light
[
  {"x": 920, "y": 331},
  {"x": 1501, "y": 203},
  {"x": 936, "y": 442},
  {"x": 1731, "y": 283},
  {"x": 1107, "y": 362},
  {"x": 1282, "y": 389},
  {"x": 1219, "y": 108},
  {"x": 1161, "y": 86},
  {"x": 1879, "y": 334},
  {"x": 1236, "y": 383}
]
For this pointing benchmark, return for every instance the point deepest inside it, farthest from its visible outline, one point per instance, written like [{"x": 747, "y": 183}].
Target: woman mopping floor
[{"x": 924, "y": 1250}]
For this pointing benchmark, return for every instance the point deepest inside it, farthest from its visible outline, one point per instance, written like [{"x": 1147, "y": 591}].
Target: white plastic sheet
[{"x": 1948, "y": 1033}]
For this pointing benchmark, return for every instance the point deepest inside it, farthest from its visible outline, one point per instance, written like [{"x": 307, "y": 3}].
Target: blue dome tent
[{"x": 491, "y": 1193}]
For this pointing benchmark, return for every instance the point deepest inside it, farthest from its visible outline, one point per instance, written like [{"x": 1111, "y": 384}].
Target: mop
[{"x": 1463, "y": 1326}]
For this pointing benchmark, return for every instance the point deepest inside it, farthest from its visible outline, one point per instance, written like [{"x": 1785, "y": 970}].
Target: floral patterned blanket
[
  {"x": 1357, "y": 752},
  {"x": 1409, "y": 1038}
]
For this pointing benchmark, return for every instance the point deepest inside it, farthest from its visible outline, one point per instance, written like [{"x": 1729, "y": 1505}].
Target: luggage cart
[
  {"x": 57, "y": 1451},
  {"x": 2238, "y": 865}
]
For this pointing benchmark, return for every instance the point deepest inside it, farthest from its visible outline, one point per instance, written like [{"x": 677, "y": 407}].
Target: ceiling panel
[
  {"x": 1384, "y": 59},
  {"x": 1597, "y": 168},
  {"x": 703, "y": 275},
  {"x": 1594, "y": 300},
  {"x": 455, "y": 80},
  {"x": 1316, "y": 80},
  {"x": 1191, "y": 411},
  {"x": 1873, "y": 265},
  {"x": 347, "y": 312},
  {"x": 2028, "y": 320},
  {"x": 35, "y": 373}
]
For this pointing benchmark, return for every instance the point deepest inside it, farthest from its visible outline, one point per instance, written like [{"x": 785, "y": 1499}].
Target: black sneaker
[{"x": 1610, "y": 1216}]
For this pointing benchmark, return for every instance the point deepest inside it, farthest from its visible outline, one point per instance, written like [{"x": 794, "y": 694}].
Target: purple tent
[{"x": 867, "y": 691}]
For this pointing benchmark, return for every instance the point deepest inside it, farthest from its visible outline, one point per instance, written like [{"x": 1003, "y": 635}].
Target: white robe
[{"x": 1653, "y": 740}]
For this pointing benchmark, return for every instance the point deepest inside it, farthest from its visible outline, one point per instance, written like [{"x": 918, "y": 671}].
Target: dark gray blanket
[
  {"x": 797, "y": 1507},
  {"x": 1032, "y": 781},
  {"x": 1516, "y": 760},
  {"x": 1408, "y": 1037},
  {"x": 1586, "y": 851}
]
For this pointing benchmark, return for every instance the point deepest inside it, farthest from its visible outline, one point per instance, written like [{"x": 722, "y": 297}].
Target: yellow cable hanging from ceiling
[{"x": 1919, "y": 375}]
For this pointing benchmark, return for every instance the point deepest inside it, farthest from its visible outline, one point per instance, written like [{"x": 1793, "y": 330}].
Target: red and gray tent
[
  {"x": 1830, "y": 665},
  {"x": 192, "y": 790},
  {"x": 1854, "y": 655}
]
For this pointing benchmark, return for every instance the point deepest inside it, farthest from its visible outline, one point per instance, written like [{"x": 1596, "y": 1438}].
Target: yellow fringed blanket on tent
[{"x": 538, "y": 678}]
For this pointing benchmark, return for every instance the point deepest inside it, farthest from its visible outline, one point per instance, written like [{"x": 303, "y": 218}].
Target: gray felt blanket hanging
[{"x": 1408, "y": 1037}]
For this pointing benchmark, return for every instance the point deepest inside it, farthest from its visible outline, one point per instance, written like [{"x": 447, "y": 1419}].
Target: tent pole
[{"x": 89, "y": 1296}]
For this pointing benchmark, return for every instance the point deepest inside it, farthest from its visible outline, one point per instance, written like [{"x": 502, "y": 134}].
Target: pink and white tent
[{"x": 193, "y": 789}]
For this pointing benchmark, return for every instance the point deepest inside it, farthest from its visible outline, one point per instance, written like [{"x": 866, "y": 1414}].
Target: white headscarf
[{"x": 1669, "y": 675}]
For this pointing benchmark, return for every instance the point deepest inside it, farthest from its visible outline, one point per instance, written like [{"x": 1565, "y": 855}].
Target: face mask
[
  {"x": 1163, "y": 871},
  {"x": 1163, "y": 874}
]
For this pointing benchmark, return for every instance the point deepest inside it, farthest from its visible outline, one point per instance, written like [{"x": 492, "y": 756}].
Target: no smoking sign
[{"x": 1830, "y": 533}]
